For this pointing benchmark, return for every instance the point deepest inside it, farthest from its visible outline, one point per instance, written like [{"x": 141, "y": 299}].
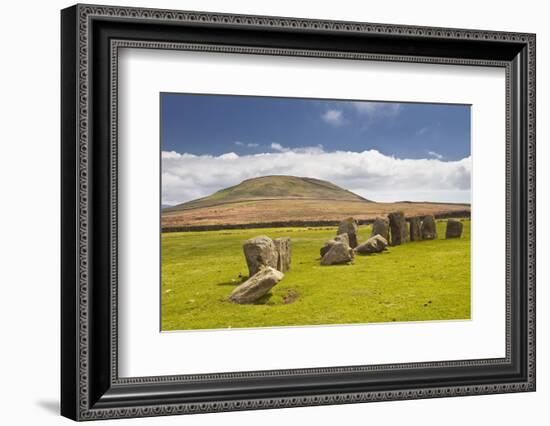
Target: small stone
[
  {"x": 284, "y": 253},
  {"x": 381, "y": 226},
  {"x": 454, "y": 229},
  {"x": 260, "y": 252},
  {"x": 398, "y": 228},
  {"x": 343, "y": 238},
  {"x": 256, "y": 286},
  {"x": 414, "y": 225},
  {"x": 428, "y": 228},
  {"x": 338, "y": 254},
  {"x": 376, "y": 244},
  {"x": 349, "y": 226}
]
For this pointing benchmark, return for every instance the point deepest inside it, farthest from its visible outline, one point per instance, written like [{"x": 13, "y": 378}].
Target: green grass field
[{"x": 418, "y": 281}]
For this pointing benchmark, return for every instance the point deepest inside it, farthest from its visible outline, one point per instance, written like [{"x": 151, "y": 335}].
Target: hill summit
[{"x": 273, "y": 188}]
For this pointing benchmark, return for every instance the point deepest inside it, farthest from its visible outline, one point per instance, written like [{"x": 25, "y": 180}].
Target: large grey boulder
[
  {"x": 325, "y": 249},
  {"x": 381, "y": 226},
  {"x": 284, "y": 253},
  {"x": 454, "y": 228},
  {"x": 338, "y": 254},
  {"x": 374, "y": 244},
  {"x": 414, "y": 225},
  {"x": 343, "y": 238},
  {"x": 398, "y": 228},
  {"x": 259, "y": 252},
  {"x": 256, "y": 286},
  {"x": 349, "y": 226},
  {"x": 429, "y": 228}
]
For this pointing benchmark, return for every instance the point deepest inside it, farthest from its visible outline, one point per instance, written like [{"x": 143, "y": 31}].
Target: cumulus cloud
[
  {"x": 435, "y": 155},
  {"x": 370, "y": 174},
  {"x": 335, "y": 117},
  {"x": 239, "y": 143},
  {"x": 278, "y": 147},
  {"x": 377, "y": 109},
  {"x": 365, "y": 111},
  {"x": 317, "y": 149}
]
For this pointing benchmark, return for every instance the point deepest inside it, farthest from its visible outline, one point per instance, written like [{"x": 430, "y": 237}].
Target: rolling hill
[
  {"x": 282, "y": 200},
  {"x": 273, "y": 187}
]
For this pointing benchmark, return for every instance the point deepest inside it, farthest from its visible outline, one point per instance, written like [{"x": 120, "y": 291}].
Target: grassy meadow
[{"x": 417, "y": 281}]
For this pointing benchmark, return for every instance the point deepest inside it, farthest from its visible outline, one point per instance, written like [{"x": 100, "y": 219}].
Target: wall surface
[{"x": 29, "y": 217}]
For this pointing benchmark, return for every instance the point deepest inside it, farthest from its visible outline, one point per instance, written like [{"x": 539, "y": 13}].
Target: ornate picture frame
[{"x": 91, "y": 386}]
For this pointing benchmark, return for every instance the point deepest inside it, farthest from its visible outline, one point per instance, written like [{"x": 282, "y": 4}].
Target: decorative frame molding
[{"x": 91, "y": 37}]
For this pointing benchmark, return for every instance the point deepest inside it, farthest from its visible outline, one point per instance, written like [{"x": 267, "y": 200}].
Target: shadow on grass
[
  {"x": 289, "y": 297},
  {"x": 382, "y": 253},
  {"x": 264, "y": 299},
  {"x": 233, "y": 283},
  {"x": 268, "y": 300}
]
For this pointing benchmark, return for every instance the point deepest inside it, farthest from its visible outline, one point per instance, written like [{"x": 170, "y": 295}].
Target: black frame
[{"x": 90, "y": 386}]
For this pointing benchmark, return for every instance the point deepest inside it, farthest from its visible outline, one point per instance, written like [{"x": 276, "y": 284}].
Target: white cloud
[
  {"x": 422, "y": 131},
  {"x": 172, "y": 154},
  {"x": 365, "y": 111},
  {"x": 435, "y": 155},
  {"x": 378, "y": 109},
  {"x": 370, "y": 174},
  {"x": 278, "y": 147},
  {"x": 333, "y": 117},
  {"x": 249, "y": 145},
  {"x": 318, "y": 149}
]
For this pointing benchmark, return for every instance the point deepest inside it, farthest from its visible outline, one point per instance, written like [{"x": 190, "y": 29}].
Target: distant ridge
[{"x": 276, "y": 187}]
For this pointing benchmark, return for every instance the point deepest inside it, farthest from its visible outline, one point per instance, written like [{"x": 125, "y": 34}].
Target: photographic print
[
  {"x": 270, "y": 184},
  {"x": 303, "y": 212}
]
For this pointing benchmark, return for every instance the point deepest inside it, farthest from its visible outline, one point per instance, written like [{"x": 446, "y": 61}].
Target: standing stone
[
  {"x": 414, "y": 225},
  {"x": 256, "y": 286},
  {"x": 259, "y": 252},
  {"x": 428, "y": 229},
  {"x": 454, "y": 228},
  {"x": 405, "y": 230},
  {"x": 343, "y": 238},
  {"x": 374, "y": 244},
  {"x": 349, "y": 226},
  {"x": 283, "y": 253},
  {"x": 398, "y": 228},
  {"x": 338, "y": 254},
  {"x": 381, "y": 226}
]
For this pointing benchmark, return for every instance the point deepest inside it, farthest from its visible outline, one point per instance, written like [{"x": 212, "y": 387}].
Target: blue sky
[
  {"x": 214, "y": 124},
  {"x": 383, "y": 151}
]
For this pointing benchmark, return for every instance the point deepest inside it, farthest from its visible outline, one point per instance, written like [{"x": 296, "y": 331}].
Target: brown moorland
[{"x": 282, "y": 199}]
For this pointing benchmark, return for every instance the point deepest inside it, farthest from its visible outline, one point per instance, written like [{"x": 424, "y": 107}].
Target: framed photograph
[{"x": 263, "y": 212}]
